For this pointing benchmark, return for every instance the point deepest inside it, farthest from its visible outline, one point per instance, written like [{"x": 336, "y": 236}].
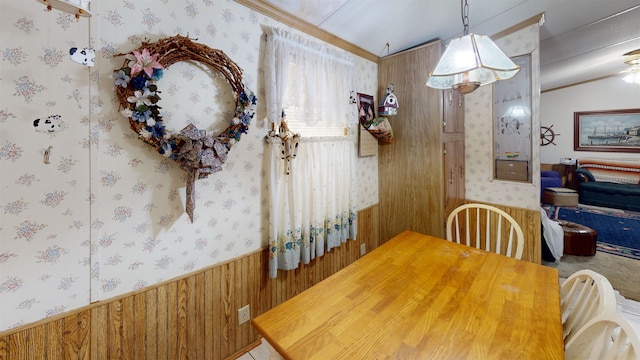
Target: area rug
[
  {"x": 622, "y": 272},
  {"x": 618, "y": 232}
]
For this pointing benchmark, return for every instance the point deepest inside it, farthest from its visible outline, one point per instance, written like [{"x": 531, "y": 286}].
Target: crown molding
[{"x": 306, "y": 27}]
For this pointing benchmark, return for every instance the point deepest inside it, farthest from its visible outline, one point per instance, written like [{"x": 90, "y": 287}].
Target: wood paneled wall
[
  {"x": 544, "y": 167},
  {"x": 411, "y": 170},
  {"x": 193, "y": 317}
]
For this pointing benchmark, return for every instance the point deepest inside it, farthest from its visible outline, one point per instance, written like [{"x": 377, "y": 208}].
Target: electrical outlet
[
  {"x": 243, "y": 315},
  {"x": 363, "y": 249}
]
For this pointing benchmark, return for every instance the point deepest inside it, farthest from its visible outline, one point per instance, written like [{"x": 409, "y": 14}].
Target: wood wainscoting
[
  {"x": 531, "y": 224},
  {"x": 195, "y": 316},
  {"x": 191, "y": 317}
]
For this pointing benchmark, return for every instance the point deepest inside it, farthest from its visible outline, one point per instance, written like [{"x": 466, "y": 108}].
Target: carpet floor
[
  {"x": 623, "y": 272},
  {"x": 618, "y": 233}
]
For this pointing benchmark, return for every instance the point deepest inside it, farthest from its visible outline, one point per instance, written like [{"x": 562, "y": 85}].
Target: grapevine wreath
[{"x": 197, "y": 152}]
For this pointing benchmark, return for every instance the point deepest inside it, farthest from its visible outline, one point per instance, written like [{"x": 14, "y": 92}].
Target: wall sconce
[
  {"x": 471, "y": 61},
  {"x": 517, "y": 112},
  {"x": 74, "y": 7}
]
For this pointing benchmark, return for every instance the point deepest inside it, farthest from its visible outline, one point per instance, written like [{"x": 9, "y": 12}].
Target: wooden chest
[
  {"x": 560, "y": 197},
  {"x": 578, "y": 239},
  {"x": 512, "y": 170}
]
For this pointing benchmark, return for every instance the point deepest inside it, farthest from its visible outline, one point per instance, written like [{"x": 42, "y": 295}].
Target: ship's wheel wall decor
[{"x": 547, "y": 135}]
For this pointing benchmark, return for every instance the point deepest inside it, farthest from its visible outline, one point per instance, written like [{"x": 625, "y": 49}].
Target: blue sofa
[
  {"x": 609, "y": 183},
  {"x": 549, "y": 178}
]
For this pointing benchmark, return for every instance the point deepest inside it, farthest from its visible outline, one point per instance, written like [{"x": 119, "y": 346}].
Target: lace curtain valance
[{"x": 312, "y": 78}]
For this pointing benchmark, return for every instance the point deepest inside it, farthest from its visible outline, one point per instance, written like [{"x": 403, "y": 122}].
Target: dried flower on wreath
[{"x": 197, "y": 152}]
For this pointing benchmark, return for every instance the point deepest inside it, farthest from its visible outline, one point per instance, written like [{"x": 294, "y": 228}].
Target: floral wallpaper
[
  {"x": 89, "y": 212},
  {"x": 480, "y": 185}
]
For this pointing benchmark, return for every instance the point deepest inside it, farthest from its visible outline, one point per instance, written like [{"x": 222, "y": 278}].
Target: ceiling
[{"x": 580, "y": 40}]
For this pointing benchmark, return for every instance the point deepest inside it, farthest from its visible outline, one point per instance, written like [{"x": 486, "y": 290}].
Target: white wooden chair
[
  {"x": 484, "y": 227},
  {"x": 584, "y": 295},
  {"x": 607, "y": 336}
]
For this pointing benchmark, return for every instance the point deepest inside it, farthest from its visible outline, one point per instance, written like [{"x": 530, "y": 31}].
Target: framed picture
[
  {"x": 367, "y": 144},
  {"x": 366, "y": 109},
  {"x": 607, "y": 130}
]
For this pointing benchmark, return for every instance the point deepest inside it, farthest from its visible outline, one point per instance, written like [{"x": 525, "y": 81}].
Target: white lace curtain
[
  {"x": 307, "y": 76},
  {"x": 313, "y": 208}
]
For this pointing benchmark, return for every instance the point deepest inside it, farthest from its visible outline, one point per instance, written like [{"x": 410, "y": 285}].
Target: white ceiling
[{"x": 580, "y": 39}]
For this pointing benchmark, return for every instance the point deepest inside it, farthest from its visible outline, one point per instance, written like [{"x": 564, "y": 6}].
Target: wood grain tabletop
[{"x": 421, "y": 297}]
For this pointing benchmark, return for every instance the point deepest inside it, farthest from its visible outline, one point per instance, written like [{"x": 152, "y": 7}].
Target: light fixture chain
[{"x": 464, "y": 6}]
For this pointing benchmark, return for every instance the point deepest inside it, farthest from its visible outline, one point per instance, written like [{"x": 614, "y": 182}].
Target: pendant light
[
  {"x": 77, "y": 8},
  {"x": 471, "y": 61},
  {"x": 633, "y": 73}
]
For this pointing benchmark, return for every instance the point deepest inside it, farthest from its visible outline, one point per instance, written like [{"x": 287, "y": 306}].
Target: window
[{"x": 312, "y": 197}]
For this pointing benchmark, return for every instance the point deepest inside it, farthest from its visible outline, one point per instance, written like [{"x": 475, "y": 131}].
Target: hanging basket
[{"x": 380, "y": 128}]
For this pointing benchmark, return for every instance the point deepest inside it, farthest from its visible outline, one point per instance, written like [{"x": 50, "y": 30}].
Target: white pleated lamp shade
[{"x": 469, "y": 62}]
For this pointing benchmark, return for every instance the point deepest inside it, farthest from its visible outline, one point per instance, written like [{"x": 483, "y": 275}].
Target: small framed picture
[{"x": 366, "y": 109}]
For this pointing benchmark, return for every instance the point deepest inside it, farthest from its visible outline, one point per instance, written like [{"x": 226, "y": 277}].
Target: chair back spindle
[
  {"x": 486, "y": 227},
  {"x": 608, "y": 336},
  {"x": 584, "y": 295}
]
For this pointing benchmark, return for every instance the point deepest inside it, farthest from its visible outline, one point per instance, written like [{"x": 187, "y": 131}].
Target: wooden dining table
[{"x": 422, "y": 297}]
